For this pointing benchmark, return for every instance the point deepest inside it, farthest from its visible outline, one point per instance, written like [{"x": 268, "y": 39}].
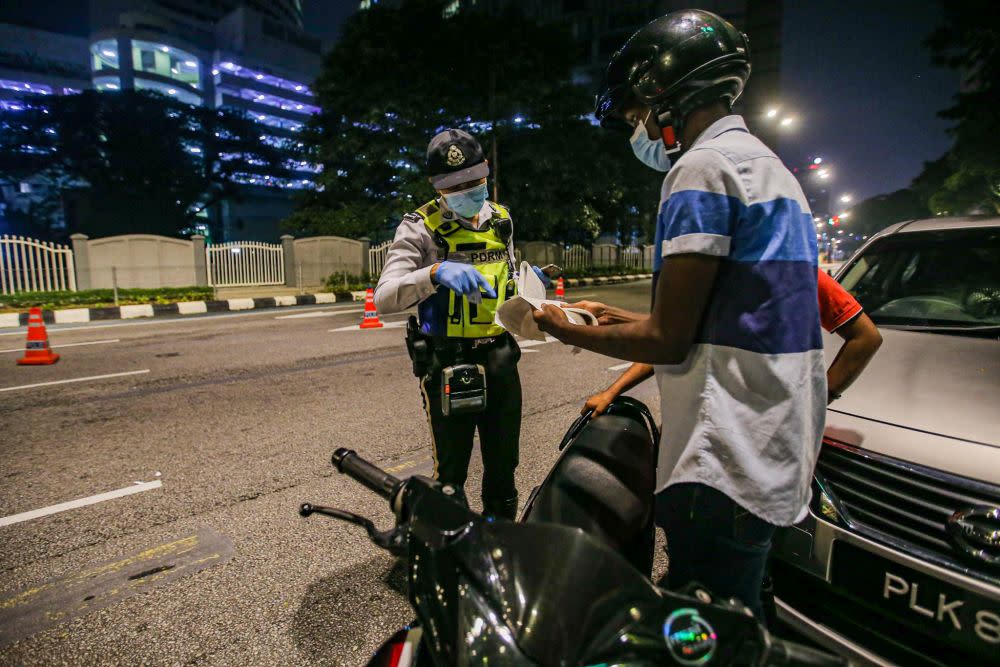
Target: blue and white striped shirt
[{"x": 744, "y": 412}]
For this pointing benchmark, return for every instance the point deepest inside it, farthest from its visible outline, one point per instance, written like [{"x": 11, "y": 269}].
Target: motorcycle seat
[{"x": 604, "y": 484}]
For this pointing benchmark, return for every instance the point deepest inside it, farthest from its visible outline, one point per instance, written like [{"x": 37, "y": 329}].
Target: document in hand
[{"x": 515, "y": 313}]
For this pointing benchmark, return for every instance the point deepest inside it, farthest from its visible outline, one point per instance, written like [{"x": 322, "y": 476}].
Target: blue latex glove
[
  {"x": 463, "y": 279},
  {"x": 541, "y": 276}
]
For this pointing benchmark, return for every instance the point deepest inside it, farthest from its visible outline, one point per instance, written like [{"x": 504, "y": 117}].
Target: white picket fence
[
  {"x": 376, "y": 257},
  {"x": 245, "y": 263},
  {"x": 577, "y": 257},
  {"x": 28, "y": 265},
  {"x": 631, "y": 257}
]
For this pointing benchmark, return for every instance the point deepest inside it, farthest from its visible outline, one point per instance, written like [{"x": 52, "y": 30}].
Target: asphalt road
[{"x": 209, "y": 434}]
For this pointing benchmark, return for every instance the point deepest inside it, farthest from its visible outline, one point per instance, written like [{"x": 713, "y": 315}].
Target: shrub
[
  {"x": 95, "y": 298},
  {"x": 341, "y": 281}
]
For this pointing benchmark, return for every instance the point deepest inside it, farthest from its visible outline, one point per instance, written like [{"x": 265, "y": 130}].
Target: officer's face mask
[
  {"x": 466, "y": 203},
  {"x": 651, "y": 153}
]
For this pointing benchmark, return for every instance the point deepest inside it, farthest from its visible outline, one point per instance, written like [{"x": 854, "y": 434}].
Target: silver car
[{"x": 898, "y": 562}]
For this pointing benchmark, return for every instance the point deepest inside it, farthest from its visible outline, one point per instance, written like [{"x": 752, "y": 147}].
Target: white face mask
[{"x": 651, "y": 153}]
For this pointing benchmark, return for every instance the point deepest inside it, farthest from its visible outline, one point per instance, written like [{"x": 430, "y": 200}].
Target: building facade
[
  {"x": 249, "y": 56},
  {"x": 246, "y": 55},
  {"x": 35, "y": 61}
]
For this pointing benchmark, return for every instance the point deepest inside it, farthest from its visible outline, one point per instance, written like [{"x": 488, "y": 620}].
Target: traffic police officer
[{"x": 453, "y": 258}]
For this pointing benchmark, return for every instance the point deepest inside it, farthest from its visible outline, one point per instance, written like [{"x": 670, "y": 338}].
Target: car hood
[{"x": 935, "y": 383}]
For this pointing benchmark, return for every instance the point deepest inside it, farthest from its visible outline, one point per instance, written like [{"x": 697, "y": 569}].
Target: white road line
[
  {"x": 86, "y": 379},
  {"x": 620, "y": 367},
  {"x": 385, "y": 325},
  {"x": 80, "y": 502},
  {"x": 154, "y": 321},
  {"x": 529, "y": 342},
  {"x": 318, "y": 313},
  {"x": 59, "y": 347}
]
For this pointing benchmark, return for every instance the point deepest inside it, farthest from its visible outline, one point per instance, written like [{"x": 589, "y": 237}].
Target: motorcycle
[{"x": 568, "y": 584}]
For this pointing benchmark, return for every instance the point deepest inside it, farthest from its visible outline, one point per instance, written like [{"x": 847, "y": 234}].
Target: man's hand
[
  {"x": 606, "y": 314},
  {"x": 595, "y": 308},
  {"x": 599, "y": 402},
  {"x": 551, "y": 320}
]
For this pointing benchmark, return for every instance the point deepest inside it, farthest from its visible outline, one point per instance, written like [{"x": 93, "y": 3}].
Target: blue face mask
[
  {"x": 651, "y": 153},
  {"x": 466, "y": 203}
]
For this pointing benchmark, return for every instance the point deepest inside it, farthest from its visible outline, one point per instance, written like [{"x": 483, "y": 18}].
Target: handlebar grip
[
  {"x": 796, "y": 655},
  {"x": 370, "y": 475}
]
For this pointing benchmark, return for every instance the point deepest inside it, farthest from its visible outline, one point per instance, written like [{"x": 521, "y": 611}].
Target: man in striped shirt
[{"x": 734, "y": 330}]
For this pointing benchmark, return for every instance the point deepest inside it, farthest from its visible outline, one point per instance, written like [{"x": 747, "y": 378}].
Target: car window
[{"x": 944, "y": 278}]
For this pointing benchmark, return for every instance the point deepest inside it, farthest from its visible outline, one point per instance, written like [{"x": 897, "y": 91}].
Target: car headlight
[{"x": 825, "y": 503}]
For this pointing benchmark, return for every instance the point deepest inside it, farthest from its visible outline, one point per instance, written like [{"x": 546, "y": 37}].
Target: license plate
[{"x": 957, "y": 617}]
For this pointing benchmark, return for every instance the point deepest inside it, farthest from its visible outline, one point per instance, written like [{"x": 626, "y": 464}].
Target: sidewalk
[
  {"x": 259, "y": 292},
  {"x": 234, "y": 299}
]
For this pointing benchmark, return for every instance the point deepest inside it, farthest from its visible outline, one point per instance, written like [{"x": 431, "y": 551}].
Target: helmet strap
[{"x": 670, "y": 128}]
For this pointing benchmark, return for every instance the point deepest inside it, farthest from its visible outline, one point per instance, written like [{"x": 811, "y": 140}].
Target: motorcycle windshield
[{"x": 563, "y": 595}]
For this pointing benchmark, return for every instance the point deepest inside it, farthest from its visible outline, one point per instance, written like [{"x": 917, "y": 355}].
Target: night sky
[{"x": 854, "y": 72}]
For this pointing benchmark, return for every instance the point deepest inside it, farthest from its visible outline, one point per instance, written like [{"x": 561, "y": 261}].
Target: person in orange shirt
[{"x": 839, "y": 313}]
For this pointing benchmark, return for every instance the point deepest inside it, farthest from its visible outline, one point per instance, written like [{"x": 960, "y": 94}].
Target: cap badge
[{"x": 455, "y": 156}]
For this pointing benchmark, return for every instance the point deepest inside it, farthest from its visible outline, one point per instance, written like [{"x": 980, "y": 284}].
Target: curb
[
  {"x": 84, "y": 315},
  {"x": 605, "y": 280}
]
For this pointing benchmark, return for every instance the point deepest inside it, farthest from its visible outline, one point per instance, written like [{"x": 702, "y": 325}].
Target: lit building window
[
  {"x": 228, "y": 67},
  {"x": 107, "y": 83},
  {"x": 166, "y": 61},
  {"x": 177, "y": 92},
  {"x": 259, "y": 97},
  {"x": 104, "y": 55},
  {"x": 25, "y": 87}
]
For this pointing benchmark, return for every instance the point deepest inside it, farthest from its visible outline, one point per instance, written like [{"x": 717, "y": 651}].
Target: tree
[
  {"x": 132, "y": 161},
  {"x": 967, "y": 179},
  {"x": 398, "y": 76},
  {"x": 876, "y": 213}
]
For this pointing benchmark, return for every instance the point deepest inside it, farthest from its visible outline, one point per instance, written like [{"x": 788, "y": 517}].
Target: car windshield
[{"x": 939, "y": 279}]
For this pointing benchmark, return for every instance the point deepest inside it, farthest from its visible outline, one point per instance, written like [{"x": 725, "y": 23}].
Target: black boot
[{"x": 500, "y": 509}]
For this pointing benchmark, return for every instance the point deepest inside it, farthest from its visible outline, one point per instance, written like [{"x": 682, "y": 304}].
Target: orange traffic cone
[
  {"x": 560, "y": 289},
  {"x": 36, "y": 349},
  {"x": 370, "y": 320}
]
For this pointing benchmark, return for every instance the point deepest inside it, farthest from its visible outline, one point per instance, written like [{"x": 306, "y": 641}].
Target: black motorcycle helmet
[{"x": 675, "y": 64}]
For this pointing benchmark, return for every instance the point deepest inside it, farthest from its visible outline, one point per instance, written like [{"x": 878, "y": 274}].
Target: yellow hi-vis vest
[{"x": 449, "y": 314}]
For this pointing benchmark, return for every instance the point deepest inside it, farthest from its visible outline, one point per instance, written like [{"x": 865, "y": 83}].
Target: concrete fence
[
  {"x": 313, "y": 259},
  {"x": 148, "y": 261},
  {"x": 139, "y": 260}
]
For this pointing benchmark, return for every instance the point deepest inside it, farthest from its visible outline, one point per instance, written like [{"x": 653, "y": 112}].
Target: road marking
[
  {"x": 413, "y": 467},
  {"x": 139, "y": 487},
  {"x": 620, "y": 367},
  {"x": 318, "y": 313},
  {"x": 530, "y": 342},
  {"x": 385, "y": 325},
  {"x": 54, "y": 347},
  {"x": 98, "y": 585},
  {"x": 86, "y": 379},
  {"x": 259, "y": 312}
]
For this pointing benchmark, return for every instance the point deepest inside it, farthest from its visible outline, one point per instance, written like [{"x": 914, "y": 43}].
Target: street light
[
  {"x": 818, "y": 160},
  {"x": 846, "y": 199},
  {"x": 786, "y": 121},
  {"x": 771, "y": 113}
]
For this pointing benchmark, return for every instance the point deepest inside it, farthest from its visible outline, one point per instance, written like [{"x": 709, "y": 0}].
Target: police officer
[{"x": 453, "y": 259}]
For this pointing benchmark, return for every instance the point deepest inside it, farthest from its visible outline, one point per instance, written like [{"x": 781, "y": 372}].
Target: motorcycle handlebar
[
  {"x": 796, "y": 655},
  {"x": 370, "y": 475}
]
